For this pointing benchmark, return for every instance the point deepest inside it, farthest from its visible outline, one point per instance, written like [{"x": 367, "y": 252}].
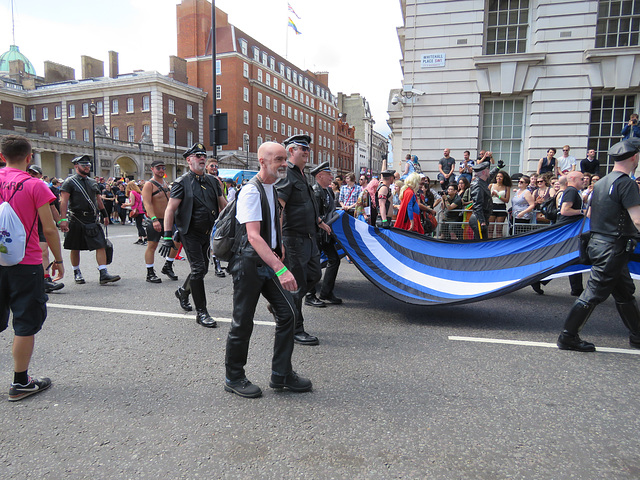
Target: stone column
[
  {"x": 58, "y": 164},
  {"x": 37, "y": 158}
]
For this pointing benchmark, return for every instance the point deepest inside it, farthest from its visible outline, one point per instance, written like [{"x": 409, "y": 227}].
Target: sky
[{"x": 354, "y": 40}]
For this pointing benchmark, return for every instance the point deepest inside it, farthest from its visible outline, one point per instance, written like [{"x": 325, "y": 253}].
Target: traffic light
[{"x": 218, "y": 129}]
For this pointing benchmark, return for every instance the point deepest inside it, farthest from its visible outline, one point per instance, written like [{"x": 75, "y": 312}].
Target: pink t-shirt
[{"x": 33, "y": 194}]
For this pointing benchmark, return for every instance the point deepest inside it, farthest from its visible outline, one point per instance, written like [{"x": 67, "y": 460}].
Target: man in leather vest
[
  {"x": 80, "y": 194},
  {"x": 326, "y": 209},
  {"x": 615, "y": 221},
  {"x": 195, "y": 202},
  {"x": 383, "y": 199},
  {"x": 257, "y": 269},
  {"x": 299, "y": 224},
  {"x": 482, "y": 203}
]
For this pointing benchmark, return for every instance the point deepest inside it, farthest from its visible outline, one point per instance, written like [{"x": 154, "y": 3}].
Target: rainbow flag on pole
[
  {"x": 293, "y": 25},
  {"x": 293, "y": 11}
]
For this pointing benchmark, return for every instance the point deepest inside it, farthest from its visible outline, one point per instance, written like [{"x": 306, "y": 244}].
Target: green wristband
[
  {"x": 281, "y": 272},
  {"x": 167, "y": 238},
  {"x": 153, "y": 219},
  {"x": 61, "y": 220}
]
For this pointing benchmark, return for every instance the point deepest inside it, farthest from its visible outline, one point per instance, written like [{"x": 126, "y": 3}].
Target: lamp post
[
  {"x": 245, "y": 138},
  {"x": 93, "y": 109},
  {"x": 175, "y": 147}
]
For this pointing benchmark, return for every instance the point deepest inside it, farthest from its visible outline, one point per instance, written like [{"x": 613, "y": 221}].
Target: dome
[{"x": 14, "y": 54}]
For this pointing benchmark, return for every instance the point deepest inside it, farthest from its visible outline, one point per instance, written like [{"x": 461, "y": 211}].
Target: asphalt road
[{"x": 399, "y": 390}]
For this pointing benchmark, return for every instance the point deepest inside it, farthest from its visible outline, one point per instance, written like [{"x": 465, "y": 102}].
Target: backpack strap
[{"x": 35, "y": 218}]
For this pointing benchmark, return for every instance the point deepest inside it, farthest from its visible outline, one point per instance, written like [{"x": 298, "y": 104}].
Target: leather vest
[
  {"x": 608, "y": 214},
  {"x": 185, "y": 210}
]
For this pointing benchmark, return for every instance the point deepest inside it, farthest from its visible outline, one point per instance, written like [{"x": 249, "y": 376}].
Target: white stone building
[{"x": 514, "y": 77}]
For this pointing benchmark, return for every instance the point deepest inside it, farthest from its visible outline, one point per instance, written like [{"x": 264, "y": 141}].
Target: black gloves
[
  {"x": 500, "y": 164},
  {"x": 166, "y": 244}
]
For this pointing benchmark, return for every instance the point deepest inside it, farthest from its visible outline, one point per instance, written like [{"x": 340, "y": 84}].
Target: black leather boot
[
  {"x": 152, "y": 277},
  {"x": 167, "y": 269},
  {"x": 105, "y": 277},
  {"x": 182, "y": 294},
  {"x": 219, "y": 272},
  {"x": 200, "y": 301},
  {"x": 569, "y": 338},
  {"x": 631, "y": 318}
]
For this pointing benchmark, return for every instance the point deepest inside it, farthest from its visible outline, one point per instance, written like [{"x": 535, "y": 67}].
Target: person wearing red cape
[{"x": 409, "y": 212}]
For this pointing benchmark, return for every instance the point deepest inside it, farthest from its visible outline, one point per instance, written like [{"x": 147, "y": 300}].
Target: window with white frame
[
  {"x": 502, "y": 131},
  {"x": 256, "y": 54},
  {"x": 72, "y": 110},
  {"x": 264, "y": 58},
  {"x": 289, "y": 91},
  {"x": 259, "y": 142},
  {"x": 218, "y": 92},
  {"x": 189, "y": 112},
  {"x": 294, "y": 76},
  {"x": 171, "y": 107},
  {"x": 146, "y": 129},
  {"x": 245, "y": 117},
  {"x": 33, "y": 114},
  {"x": 99, "y": 108},
  {"x": 267, "y": 123},
  {"x": 311, "y": 121},
  {"x": 146, "y": 103},
  {"x": 267, "y": 102},
  {"x": 281, "y": 68},
  {"x": 282, "y": 128},
  {"x": 295, "y": 114},
  {"x": 259, "y": 99},
  {"x": 58, "y": 134},
  {"x": 58, "y": 112},
  {"x": 306, "y": 118},
  {"x": 275, "y": 125},
  {"x": 131, "y": 134},
  {"x": 288, "y": 73},
  {"x": 259, "y": 121},
  {"x": 115, "y": 133},
  {"x": 245, "y": 70},
  {"x": 85, "y": 134},
  {"x": 45, "y": 113},
  {"x": 243, "y": 46},
  {"x": 114, "y": 107},
  {"x": 282, "y": 109},
  {"x": 289, "y": 130},
  {"x": 272, "y": 63},
  {"x": 130, "y": 105},
  {"x": 618, "y": 23},
  {"x": 245, "y": 94},
  {"x": 507, "y": 26},
  {"x": 267, "y": 79},
  {"x": 295, "y": 94},
  {"x": 609, "y": 114},
  {"x": 275, "y": 83},
  {"x": 172, "y": 136},
  {"x": 260, "y": 75},
  {"x": 283, "y": 89},
  {"x": 312, "y": 103},
  {"x": 190, "y": 137},
  {"x": 289, "y": 112},
  {"x": 72, "y": 134}
]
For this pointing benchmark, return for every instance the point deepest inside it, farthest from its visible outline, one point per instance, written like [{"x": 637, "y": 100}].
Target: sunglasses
[
  {"x": 201, "y": 155},
  {"x": 160, "y": 167},
  {"x": 304, "y": 149},
  {"x": 540, "y": 181}
]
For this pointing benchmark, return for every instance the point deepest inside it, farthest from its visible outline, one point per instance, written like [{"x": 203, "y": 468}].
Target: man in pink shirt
[{"x": 22, "y": 285}]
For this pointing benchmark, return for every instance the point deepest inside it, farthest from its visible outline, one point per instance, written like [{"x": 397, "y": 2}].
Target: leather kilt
[{"x": 85, "y": 233}]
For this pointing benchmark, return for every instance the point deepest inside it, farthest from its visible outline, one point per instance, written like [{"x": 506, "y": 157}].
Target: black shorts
[
  {"x": 499, "y": 210},
  {"x": 22, "y": 292},
  {"x": 152, "y": 235}
]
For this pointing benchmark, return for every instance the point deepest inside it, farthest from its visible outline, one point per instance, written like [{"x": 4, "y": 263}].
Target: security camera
[
  {"x": 395, "y": 99},
  {"x": 415, "y": 91}
]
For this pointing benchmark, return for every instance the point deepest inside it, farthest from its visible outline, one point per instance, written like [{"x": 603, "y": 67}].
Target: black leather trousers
[
  {"x": 251, "y": 278},
  {"x": 477, "y": 230},
  {"x": 302, "y": 258},
  {"x": 609, "y": 271},
  {"x": 330, "y": 270},
  {"x": 196, "y": 246}
]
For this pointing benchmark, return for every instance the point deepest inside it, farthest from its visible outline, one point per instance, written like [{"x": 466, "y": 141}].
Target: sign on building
[{"x": 431, "y": 60}]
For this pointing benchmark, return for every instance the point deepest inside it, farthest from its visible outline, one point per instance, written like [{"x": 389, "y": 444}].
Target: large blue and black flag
[{"x": 424, "y": 271}]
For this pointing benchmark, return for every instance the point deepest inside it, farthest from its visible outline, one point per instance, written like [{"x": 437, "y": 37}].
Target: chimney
[
  {"x": 113, "y": 64},
  {"x": 54, "y": 72},
  {"x": 91, "y": 67},
  {"x": 178, "y": 69}
]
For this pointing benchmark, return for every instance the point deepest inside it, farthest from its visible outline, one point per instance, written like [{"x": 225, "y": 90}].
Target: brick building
[
  {"x": 133, "y": 114},
  {"x": 346, "y": 147},
  {"x": 266, "y": 97}
]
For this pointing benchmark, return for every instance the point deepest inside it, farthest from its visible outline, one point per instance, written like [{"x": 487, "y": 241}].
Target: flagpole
[{"x": 286, "y": 49}]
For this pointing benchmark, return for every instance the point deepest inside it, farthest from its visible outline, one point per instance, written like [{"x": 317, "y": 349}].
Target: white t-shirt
[
  {"x": 249, "y": 207},
  {"x": 231, "y": 194},
  {"x": 566, "y": 163}
]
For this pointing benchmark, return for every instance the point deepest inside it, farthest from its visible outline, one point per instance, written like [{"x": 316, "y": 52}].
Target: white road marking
[
  {"x": 145, "y": 313},
  {"x": 538, "y": 344}
]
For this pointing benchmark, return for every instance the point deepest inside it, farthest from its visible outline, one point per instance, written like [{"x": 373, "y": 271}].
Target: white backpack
[{"x": 13, "y": 237}]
